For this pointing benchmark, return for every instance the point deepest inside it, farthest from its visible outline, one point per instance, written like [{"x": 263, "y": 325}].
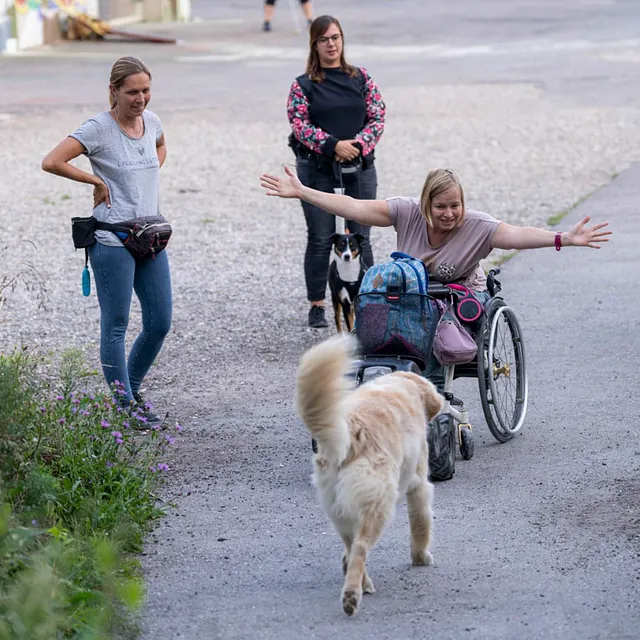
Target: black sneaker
[
  {"x": 143, "y": 411},
  {"x": 316, "y": 318},
  {"x": 266, "y": 26}
]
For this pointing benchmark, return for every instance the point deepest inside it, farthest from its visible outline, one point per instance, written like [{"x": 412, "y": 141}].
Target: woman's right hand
[
  {"x": 346, "y": 150},
  {"x": 100, "y": 195},
  {"x": 289, "y": 187}
]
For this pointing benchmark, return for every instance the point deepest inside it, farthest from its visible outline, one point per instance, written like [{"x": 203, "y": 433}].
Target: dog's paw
[
  {"x": 421, "y": 558},
  {"x": 351, "y": 600},
  {"x": 367, "y": 585}
]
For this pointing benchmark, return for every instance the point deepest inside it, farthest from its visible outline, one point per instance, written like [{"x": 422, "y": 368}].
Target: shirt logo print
[
  {"x": 140, "y": 150},
  {"x": 446, "y": 271}
]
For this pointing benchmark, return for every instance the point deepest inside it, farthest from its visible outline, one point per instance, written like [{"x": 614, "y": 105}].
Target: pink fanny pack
[{"x": 467, "y": 308}]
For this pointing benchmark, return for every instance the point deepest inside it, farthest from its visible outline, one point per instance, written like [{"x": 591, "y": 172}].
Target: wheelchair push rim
[{"x": 502, "y": 375}]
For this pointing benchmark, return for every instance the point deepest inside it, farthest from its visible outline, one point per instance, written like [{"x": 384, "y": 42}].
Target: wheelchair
[{"x": 499, "y": 367}]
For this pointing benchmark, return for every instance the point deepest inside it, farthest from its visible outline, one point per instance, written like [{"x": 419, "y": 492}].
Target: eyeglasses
[{"x": 335, "y": 38}]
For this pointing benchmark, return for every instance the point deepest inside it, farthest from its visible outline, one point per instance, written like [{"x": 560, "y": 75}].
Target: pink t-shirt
[{"x": 458, "y": 259}]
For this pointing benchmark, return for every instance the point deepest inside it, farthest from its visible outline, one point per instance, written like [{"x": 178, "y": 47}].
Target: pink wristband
[{"x": 558, "y": 241}]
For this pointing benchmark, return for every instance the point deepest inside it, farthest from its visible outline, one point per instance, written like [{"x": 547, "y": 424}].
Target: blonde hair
[
  {"x": 438, "y": 181},
  {"x": 121, "y": 70}
]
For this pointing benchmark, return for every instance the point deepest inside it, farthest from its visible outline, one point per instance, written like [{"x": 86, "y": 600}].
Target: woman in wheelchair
[
  {"x": 452, "y": 240},
  {"x": 437, "y": 228}
]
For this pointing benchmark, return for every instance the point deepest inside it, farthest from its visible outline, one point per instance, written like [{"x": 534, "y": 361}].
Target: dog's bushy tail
[{"x": 321, "y": 391}]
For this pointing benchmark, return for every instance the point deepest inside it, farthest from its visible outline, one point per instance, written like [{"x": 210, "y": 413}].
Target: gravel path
[{"x": 522, "y": 158}]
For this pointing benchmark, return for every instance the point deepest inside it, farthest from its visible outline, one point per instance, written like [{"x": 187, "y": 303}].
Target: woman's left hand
[{"x": 583, "y": 236}]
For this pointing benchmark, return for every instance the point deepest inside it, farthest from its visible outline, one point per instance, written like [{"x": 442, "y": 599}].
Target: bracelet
[{"x": 558, "y": 241}]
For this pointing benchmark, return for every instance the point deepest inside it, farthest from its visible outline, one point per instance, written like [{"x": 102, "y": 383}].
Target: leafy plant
[{"x": 78, "y": 476}]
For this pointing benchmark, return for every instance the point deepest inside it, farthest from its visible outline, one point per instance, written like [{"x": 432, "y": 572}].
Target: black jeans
[{"x": 322, "y": 225}]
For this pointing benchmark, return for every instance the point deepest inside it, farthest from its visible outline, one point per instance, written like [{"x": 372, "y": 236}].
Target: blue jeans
[
  {"x": 117, "y": 275},
  {"x": 322, "y": 225}
]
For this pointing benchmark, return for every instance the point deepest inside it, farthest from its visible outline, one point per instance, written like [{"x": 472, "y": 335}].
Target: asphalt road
[{"x": 537, "y": 538}]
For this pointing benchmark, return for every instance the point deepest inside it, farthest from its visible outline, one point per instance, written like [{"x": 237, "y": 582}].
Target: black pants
[{"x": 322, "y": 225}]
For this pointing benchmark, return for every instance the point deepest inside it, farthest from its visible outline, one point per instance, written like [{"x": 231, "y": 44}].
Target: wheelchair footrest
[{"x": 452, "y": 400}]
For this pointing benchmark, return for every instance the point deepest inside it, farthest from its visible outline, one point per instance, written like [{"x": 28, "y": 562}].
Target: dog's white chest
[{"x": 348, "y": 271}]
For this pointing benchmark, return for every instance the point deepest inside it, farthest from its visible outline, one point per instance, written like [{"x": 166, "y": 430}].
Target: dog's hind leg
[
  {"x": 419, "y": 495},
  {"x": 356, "y": 579}
]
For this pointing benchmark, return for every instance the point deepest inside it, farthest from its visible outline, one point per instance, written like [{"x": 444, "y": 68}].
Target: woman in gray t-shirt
[{"x": 126, "y": 148}]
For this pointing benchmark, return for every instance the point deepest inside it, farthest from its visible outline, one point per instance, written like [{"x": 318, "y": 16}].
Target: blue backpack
[{"x": 394, "y": 314}]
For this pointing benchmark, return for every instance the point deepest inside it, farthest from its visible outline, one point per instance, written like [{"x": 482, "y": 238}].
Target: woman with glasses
[{"x": 337, "y": 116}]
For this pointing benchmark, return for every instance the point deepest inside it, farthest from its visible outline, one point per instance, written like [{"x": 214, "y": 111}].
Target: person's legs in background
[
  {"x": 320, "y": 227},
  {"x": 364, "y": 188},
  {"x": 269, "y": 8},
  {"x": 308, "y": 10}
]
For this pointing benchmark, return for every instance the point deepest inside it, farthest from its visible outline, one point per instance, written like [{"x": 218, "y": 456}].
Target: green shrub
[{"x": 77, "y": 492}]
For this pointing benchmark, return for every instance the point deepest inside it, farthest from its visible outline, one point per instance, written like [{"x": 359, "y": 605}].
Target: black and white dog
[{"x": 345, "y": 275}]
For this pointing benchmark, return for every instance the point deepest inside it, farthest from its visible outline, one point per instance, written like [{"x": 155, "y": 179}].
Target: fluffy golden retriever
[{"x": 372, "y": 450}]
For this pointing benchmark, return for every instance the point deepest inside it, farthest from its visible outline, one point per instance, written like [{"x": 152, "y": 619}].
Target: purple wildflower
[
  {"x": 125, "y": 425},
  {"x": 162, "y": 466},
  {"x": 61, "y": 421},
  {"x": 179, "y": 427},
  {"x": 59, "y": 397},
  {"x": 34, "y": 523},
  {"x": 76, "y": 401},
  {"x": 169, "y": 439},
  {"x": 116, "y": 434},
  {"x": 84, "y": 412},
  {"x": 43, "y": 409},
  {"x": 74, "y": 409},
  {"x": 104, "y": 424},
  {"x": 109, "y": 464},
  {"x": 152, "y": 469}
]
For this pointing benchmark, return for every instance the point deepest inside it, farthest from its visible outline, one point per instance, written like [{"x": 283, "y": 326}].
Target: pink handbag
[{"x": 452, "y": 343}]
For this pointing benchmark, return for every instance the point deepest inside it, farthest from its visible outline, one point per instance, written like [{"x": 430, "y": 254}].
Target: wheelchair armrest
[{"x": 437, "y": 290}]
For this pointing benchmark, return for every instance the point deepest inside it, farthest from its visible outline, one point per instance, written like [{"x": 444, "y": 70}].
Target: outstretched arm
[
  {"x": 510, "y": 237},
  {"x": 371, "y": 212}
]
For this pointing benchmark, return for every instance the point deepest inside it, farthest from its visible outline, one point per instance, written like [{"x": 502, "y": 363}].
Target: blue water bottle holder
[{"x": 86, "y": 276}]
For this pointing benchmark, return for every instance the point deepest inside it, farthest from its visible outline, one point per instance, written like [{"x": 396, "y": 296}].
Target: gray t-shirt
[
  {"x": 458, "y": 259},
  {"x": 129, "y": 167}
]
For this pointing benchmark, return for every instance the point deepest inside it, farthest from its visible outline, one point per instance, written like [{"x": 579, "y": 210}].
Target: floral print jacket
[{"x": 315, "y": 138}]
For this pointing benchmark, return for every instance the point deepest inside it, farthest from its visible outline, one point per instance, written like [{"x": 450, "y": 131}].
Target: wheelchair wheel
[
  {"x": 467, "y": 445},
  {"x": 502, "y": 375},
  {"x": 441, "y": 437}
]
